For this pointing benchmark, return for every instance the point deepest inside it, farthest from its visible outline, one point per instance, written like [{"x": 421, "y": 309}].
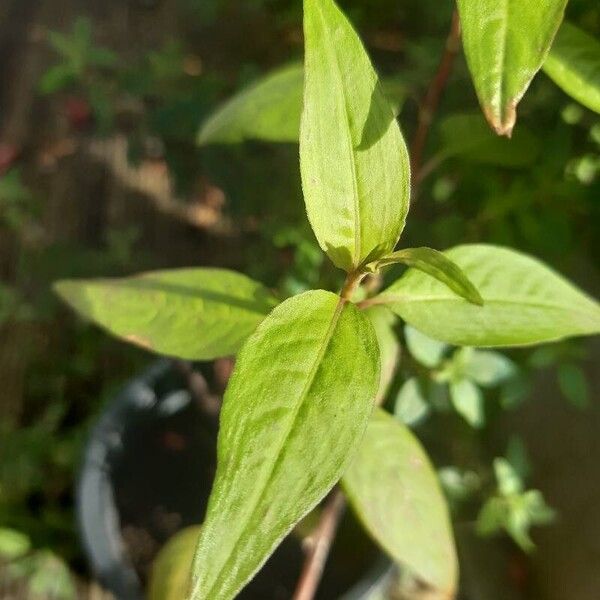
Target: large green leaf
[
  {"x": 270, "y": 109},
  {"x": 467, "y": 135},
  {"x": 574, "y": 65},
  {"x": 197, "y": 314},
  {"x": 354, "y": 163},
  {"x": 296, "y": 406},
  {"x": 395, "y": 492},
  {"x": 525, "y": 302},
  {"x": 506, "y": 42}
]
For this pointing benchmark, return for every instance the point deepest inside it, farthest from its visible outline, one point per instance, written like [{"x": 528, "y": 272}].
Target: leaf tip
[{"x": 502, "y": 124}]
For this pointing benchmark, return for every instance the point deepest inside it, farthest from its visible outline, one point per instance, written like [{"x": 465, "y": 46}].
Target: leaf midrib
[{"x": 309, "y": 382}]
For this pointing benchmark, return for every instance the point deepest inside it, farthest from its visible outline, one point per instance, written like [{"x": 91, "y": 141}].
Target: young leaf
[
  {"x": 437, "y": 265},
  {"x": 427, "y": 351},
  {"x": 505, "y": 44},
  {"x": 468, "y": 402},
  {"x": 525, "y": 302},
  {"x": 574, "y": 65},
  {"x": 488, "y": 368},
  {"x": 297, "y": 404},
  {"x": 270, "y": 109},
  {"x": 573, "y": 385},
  {"x": 383, "y": 321},
  {"x": 353, "y": 160},
  {"x": 395, "y": 492},
  {"x": 468, "y": 136},
  {"x": 411, "y": 407},
  {"x": 197, "y": 314}
]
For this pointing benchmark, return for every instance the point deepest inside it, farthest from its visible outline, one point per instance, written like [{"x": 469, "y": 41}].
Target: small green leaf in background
[
  {"x": 436, "y": 265},
  {"x": 505, "y": 45},
  {"x": 468, "y": 136},
  {"x": 296, "y": 407},
  {"x": 468, "y": 401},
  {"x": 573, "y": 384},
  {"x": 353, "y": 159},
  {"x": 488, "y": 368},
  {"x": 196, "y": 314},
  {"x": 267, "y": 110},
  {"x": 411, "y": 407},
  {"x": 13, "y": 544},
  {"x": 574, "y": 65},
  {"x": 170, "y": 578},
  {"x": 270, "y": 109},
  {"x": 525, "y": 302},
  {"x": 458, "y": 485},
  {"x": 396, "y": 494},
  {"x": 383, "y": 321},
  {"x": 508, "y": 478},
  {"x": 426, "y": 350}
]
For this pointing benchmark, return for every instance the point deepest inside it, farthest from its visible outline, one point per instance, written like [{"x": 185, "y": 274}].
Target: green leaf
[
  {"x": 353, "y": 159},
  {"x": 488, "y": 368},
  {"x": 13, "y": 544},
  {"x": 267, "y": 110},
  {"x": 197, "y": 314},
  {"x": 573, "y": 385},
  {"x": 410, "y": 406},
  {"x": 57, "y": 78},
  {"x": 574, "y": 65},
  {"x": 396, "y": 494},
  {"x": 525, "y": 301},
  {"x": 172, "y": 569},
  {"x": 505, "y": 43},
  {"x": 468, "y": 401},
  {"x": 437, "y": 265},
  {"x": 383, "y": 321},
  {"x": 427, "y": 351},
  {"x": 270, "y": 109},
  {"x": 509, "y": 480},
  {"x": 468, "y": 136},
  {"x": 297, "y": 405}
]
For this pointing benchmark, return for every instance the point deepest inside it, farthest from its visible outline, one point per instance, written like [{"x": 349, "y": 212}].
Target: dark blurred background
[{"x": 100, "y": 103}]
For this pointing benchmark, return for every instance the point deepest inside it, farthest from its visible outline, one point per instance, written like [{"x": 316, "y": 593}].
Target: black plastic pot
[{"x": 147, "y": 472}]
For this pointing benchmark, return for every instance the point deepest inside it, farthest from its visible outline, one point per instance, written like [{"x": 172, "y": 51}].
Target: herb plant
[{"x": 301, "y": 410}]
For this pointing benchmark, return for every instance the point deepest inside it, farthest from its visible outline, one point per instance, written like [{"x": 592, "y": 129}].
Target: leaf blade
[
  {"x": 395, "y": 493},
  {"x": 196, "y": 314},
  {"x": 505, "y": 44},
  {"x": 353, "y": 159},
  {"x": 287, "y": 413},
  {"x": 525, "y": 302},
  {"x": 574, "y": 65}
]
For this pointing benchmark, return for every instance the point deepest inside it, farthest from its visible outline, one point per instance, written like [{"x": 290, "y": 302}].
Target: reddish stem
[
  {"x": 432, "y": 98},
  {"x": 320, "y": 544}
]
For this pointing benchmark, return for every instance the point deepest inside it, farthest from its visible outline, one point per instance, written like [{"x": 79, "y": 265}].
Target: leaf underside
[{"x": 506, "y": 43}]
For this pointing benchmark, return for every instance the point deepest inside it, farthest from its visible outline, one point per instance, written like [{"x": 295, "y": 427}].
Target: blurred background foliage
[{"x": 100, "y": 173}]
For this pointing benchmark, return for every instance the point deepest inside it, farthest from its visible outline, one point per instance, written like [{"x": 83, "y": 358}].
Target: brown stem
[
  {"x": 432, "y": 98},
  {"x": 320, "y": 544},
  {"x": 352, "y": 282}
]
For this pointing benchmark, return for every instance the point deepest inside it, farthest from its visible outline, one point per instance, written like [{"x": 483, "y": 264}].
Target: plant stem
[
  {"x": 352, "y": 282},
  {"x": 321, "y": 540},
  {"x": 432, "y": 99}
]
